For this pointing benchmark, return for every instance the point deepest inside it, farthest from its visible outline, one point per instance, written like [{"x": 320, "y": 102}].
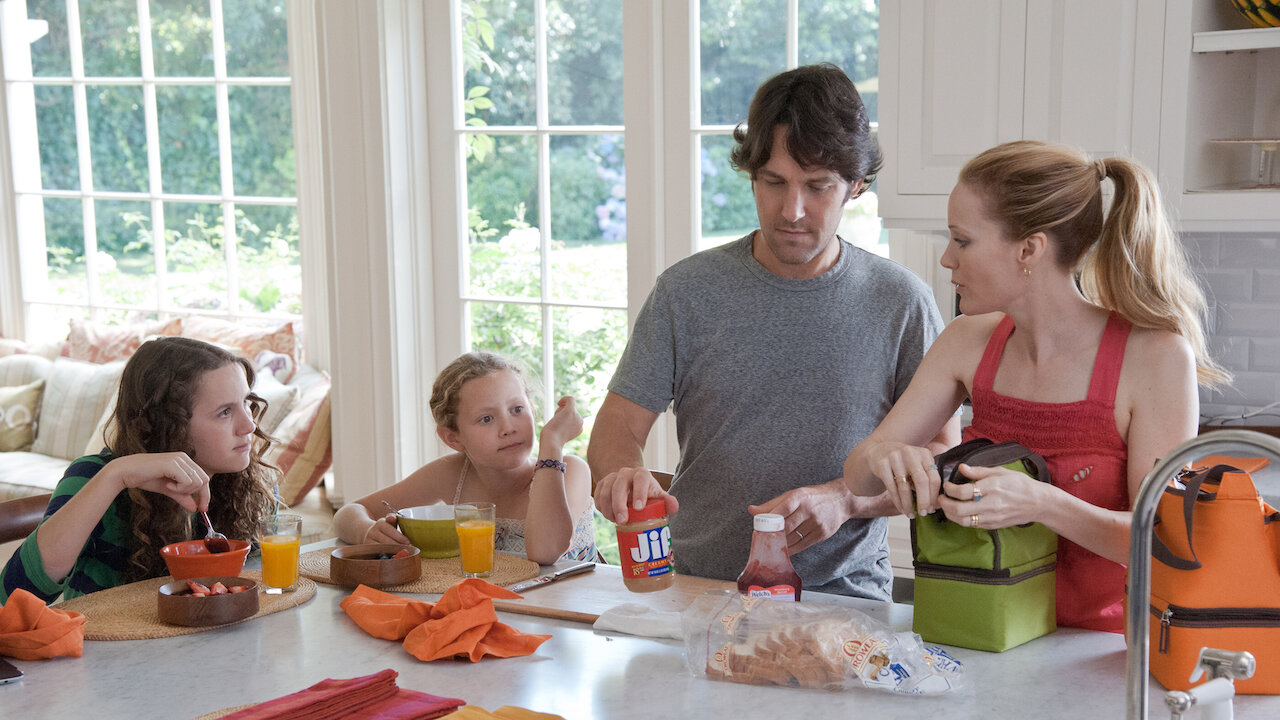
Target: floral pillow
[
  {"x": 94, "y": 342},
  {"x": 250, "y": 339}
]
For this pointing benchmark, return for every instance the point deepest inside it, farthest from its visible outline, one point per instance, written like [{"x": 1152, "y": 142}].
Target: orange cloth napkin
[
  {"x": 371, "y": 697},
  {"x": 462, "y": 623},
  {"x": 30, "y": 630}
]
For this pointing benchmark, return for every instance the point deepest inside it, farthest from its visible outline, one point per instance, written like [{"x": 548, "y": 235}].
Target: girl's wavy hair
[
  {"x": 469, "y": 366},
  {"x": 1127, "y": 260},
  {"x": 153, "y": 414}
]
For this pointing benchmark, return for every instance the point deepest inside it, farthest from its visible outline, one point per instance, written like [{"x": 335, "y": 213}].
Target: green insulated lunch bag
[{"x": 984, "y": 589}]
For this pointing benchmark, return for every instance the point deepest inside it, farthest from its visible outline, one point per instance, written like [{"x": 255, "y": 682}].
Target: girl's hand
[
  {"x": 173, "y": 474},
  {"x": 564, "y": 425},
  {"x": 906, "y": 470},
  {"x": 384, "y": 530},
  {"x": 995, "y": 498}
]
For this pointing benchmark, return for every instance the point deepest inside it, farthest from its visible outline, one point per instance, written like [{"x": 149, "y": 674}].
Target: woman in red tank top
[{"x": 1080, "y": 338}]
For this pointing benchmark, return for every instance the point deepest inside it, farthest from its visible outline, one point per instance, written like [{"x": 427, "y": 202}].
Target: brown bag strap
[
  {"x": 981, "y": 452},
  {"x": 1190, "y": 495}
]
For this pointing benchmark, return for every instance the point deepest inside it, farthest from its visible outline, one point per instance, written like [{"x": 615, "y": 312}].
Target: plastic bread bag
[{"x": 758, "y": 641}]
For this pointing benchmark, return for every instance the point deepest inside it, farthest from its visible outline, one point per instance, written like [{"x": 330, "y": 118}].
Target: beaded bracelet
[{"x": 553, "y": 464}]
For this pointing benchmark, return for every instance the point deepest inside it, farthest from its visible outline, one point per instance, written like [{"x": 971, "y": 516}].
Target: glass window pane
[
  {"x": 126, "y": 262},
  {"x": 257, "y": 39},
  {"x": 845, "y": 33},
  {"x": 588, "y": 218},
  {"x": 860, "y": 224},
  {"x": 744, "y": 42},
  {"x": 50, "y": 54},
  {"x": 195, "y": 262},
  {"x": 188, "y": 123},
  {"x": 64, "y": 249},
  {"x": 586, "y": 345},
  {"x": 513, "y": 331},
  {"x": 728, "y": 206},
  {"x": 267, "y": 258},
  {"x": 584, "y": 62},
  {"x": 262, "y": 141},
  {"x": 49, "y": 323},
  {"x": 109, "y": 32},
  {"x": 182, "y": 38},
  {"x": 117, "y": 137},
  {"x": 504, "y": 249},
  {"x": 499, "y": 55},
  {"x": 56, "y": 126}
]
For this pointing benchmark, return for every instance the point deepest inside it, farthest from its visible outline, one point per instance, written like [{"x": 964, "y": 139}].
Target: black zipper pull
[{"x": 1165, "y": 617}]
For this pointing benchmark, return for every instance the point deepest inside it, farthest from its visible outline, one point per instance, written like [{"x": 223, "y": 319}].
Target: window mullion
[
  {"x": 544, "y": 197},
  {"x": 793, "y": 33},
  {"x": 226, "y": 176},
  {"x": 84, "y": 157},
  {"x": 154, "y": 180}
]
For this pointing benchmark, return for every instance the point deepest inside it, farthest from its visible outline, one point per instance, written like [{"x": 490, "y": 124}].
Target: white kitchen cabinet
[
  {"x": 1221, "y": 81},
  {"x": 959, "y": 76}
]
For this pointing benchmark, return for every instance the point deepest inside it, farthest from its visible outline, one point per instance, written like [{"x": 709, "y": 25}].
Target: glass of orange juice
[
  {"x": 474, "y": 522},
  {"x": 280, "y": 536}
]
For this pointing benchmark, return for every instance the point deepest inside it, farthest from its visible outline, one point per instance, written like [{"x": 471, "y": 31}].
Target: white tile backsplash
[{"x": 1241, "y": 274}]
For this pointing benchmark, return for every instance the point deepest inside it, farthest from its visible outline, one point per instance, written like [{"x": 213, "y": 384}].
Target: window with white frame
[{"x": 153, "y": 158}]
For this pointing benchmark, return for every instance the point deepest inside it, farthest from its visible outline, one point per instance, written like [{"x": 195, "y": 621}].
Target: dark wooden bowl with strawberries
[
  {"x": 375, "y": 564},
  {"x": 203, "y": 601}
]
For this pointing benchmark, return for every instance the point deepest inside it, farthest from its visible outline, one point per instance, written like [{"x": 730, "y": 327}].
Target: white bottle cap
[{"x": 768, "y": 522}]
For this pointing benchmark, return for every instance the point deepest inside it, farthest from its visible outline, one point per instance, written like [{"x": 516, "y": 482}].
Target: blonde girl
[
  {"x": 480, "y": 403},
  {"x": 1080, "y": 338}
]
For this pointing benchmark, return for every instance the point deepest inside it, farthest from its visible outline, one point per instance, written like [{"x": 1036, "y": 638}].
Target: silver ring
[
  {"x": 930, "y": 467},
  {"x": 799, "y": 535},
  {"x": 973, "y": 521},
  {"x": 977, "y": 494}
]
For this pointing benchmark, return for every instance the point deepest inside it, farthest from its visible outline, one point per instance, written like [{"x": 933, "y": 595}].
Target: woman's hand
[
  {"x": 906, "y": 470},
  {"x": 564, "y": 425},
  {"x": 173, "y": 474},
  {"x": 995, "y": 498},
  {"x": 385, "y": 530}
]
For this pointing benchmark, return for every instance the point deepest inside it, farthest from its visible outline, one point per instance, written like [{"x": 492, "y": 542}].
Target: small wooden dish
[
  {"x": 358, "y": 565},
  {"x": 177, "y": 606}
]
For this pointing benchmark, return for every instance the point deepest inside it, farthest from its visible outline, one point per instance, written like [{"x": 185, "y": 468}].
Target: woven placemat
[
  {"x": 224, "y": 712},
  {"x": 438, "y": 575},
  {"x": 128, "y": 612}
]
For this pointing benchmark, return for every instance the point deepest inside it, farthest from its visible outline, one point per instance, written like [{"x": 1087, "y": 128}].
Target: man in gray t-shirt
[{"x": 780, "y": 352}]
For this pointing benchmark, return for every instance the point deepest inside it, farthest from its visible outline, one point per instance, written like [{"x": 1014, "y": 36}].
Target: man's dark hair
[{"x": 827, "y": 124}]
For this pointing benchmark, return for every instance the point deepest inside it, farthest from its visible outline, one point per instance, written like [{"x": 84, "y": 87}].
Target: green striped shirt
[{"x": 105, "y": 554}]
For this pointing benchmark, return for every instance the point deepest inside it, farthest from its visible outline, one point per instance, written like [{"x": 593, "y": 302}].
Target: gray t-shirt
[{"x": 774, "y": 381}]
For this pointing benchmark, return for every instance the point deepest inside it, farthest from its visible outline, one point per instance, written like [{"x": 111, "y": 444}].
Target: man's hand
[
  {"x": 627, "y": 489},
  {"x": 814, "y": 513}
]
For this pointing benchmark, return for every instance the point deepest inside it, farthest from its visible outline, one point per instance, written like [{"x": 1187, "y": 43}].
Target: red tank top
[{"x": 1086, "y": 457}]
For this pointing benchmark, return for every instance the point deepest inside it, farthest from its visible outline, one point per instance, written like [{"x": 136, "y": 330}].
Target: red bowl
[{"x": 191, "y": 559}]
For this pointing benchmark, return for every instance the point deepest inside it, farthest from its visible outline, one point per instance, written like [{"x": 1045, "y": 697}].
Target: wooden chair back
[{"x": 18, "y": 518}]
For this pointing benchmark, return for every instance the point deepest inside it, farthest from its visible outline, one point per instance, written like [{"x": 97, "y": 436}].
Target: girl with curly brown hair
[{"x": 183, "y": 438}]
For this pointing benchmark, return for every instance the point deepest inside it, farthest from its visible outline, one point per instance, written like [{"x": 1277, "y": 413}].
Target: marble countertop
[{"x": 578, "y": 673}]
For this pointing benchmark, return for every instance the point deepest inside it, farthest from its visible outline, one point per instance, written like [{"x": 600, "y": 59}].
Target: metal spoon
[
  {"x": 393, "y": 509},
  {"x": 214, "y": 541}
]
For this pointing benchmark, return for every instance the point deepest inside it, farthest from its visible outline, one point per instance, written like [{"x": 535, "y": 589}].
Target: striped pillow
[{"x": 75, "y": 395}]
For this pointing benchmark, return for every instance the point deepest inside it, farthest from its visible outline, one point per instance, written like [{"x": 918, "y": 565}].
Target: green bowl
[{"x": 430, "y": 529}]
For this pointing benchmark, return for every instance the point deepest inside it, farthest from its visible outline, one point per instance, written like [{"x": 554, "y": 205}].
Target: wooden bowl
[
  {"x": 178, "y": 607},
  {"x": 359, "y": 565}
]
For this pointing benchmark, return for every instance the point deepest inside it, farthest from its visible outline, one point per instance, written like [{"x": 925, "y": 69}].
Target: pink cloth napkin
[{"x": 372, "y": 697}]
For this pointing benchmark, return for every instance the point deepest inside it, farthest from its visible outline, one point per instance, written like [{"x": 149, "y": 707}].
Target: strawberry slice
[
  {"x": 197, "y": 588},
  {"x": 218, "y": 588},
  {"x": 402, "y": 554},
  {"x": 237, "y": 588}
]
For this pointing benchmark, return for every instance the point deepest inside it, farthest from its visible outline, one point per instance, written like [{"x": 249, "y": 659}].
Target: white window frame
[{"x": 28, "y": 277}]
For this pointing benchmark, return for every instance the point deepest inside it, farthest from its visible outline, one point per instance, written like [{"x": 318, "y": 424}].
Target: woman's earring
[{"x": 1026, "y": 271}]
